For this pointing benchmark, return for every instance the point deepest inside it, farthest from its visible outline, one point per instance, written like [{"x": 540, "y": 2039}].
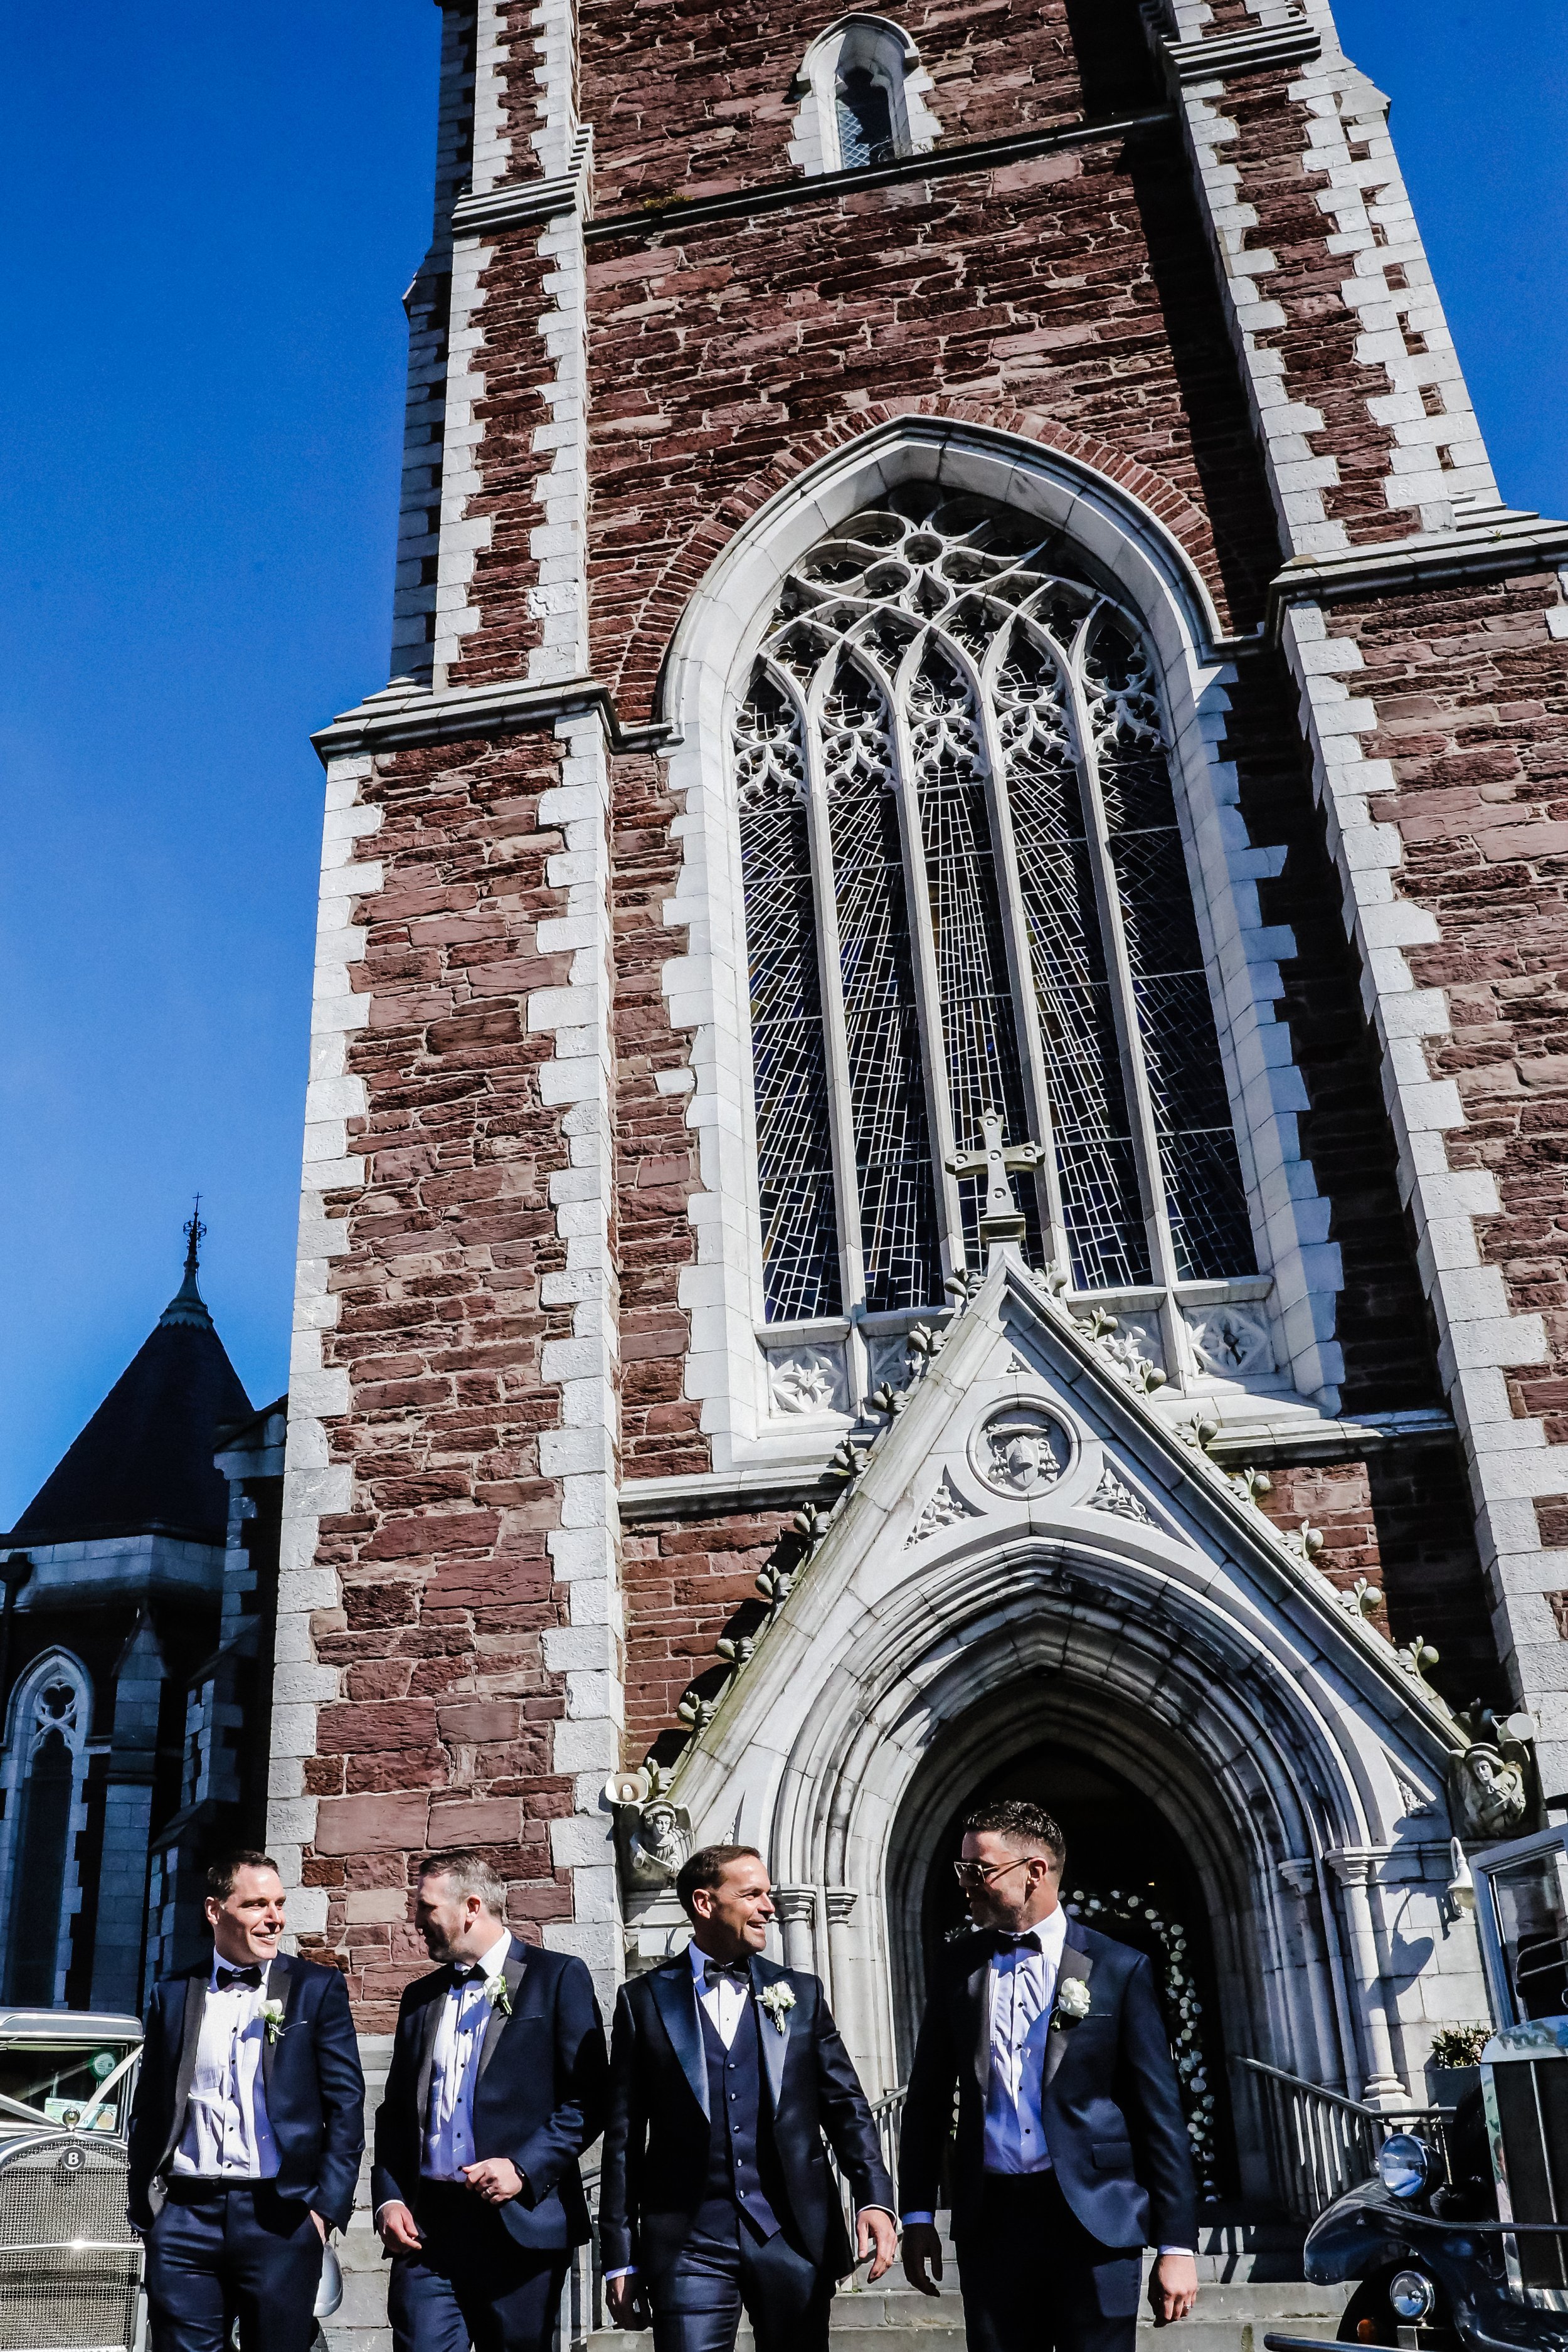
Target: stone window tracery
[
  {"x": 48, "y": 1730},
  {"x": 966, "y": 892}
]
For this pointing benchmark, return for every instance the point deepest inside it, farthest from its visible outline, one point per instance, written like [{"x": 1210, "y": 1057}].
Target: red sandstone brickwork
[
  {"x": 1472, "y": 701},
  {"x": 442, "y": 1735},
  {"x": 1335, "y": 1498},
  {"x": 656, "y": 1151},
  {"x": 699, "y": 101},
  {"x": 1318, "y": 340},
  {"x": 684, "y": 1582},
  {"x": 515, "y": 365},
  {"x": 1068, "y": 296}
]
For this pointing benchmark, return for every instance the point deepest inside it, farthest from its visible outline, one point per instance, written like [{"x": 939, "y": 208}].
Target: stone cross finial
[{"x": 1000, "y": 1219}]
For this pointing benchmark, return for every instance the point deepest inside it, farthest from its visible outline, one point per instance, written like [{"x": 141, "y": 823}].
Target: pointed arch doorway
[{"x": 1129, "y": 1874}]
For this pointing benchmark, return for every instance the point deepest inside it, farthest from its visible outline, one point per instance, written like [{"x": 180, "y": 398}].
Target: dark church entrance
[{"x": 1128, "y": 1875}]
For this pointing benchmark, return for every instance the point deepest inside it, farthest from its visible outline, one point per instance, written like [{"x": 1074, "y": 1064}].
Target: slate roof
[{"x": 144, "y": 1461}]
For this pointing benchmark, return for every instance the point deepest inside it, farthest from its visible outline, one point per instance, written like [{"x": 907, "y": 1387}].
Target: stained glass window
[{"x": 966, "y": 893}]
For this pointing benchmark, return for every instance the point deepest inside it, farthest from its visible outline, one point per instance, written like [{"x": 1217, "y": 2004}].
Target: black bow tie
[
  {"x": 226, "y": 1977},
  {"x": 738, "y": 1971},
  {"x": 1028, "y": 1942}
]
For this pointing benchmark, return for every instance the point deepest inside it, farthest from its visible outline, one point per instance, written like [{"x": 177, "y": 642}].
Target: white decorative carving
[
  {"x": 945, "y": 1509},
  {"x": 890, "y": 1361},
  {"x": 1021, "y": 1450},
  {"x": 1231, "y": 1340},
  {"x": 1111, "y": 1495},
  {"x": 807, "y": 1378}
]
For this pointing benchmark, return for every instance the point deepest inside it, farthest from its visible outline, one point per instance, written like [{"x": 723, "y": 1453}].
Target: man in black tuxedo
[
  {"x": 497, "y": 2084},
  {"x": 247, "y": 2129},
  {"x": 1071, "y": 2153},
  {"x": 725, "y": 2071}
]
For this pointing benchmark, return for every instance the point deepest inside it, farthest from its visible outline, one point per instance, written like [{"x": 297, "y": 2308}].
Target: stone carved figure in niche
[
  {"x": 1488, "y": 1795},
  {"x": 653, "y": 1837},
  {"x": 1022, "y": 1450}
]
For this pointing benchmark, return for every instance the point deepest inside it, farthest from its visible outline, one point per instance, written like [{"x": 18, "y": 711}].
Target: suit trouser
[
  {"x": 1033, "y": 2280},
  {"x": 472, "y": 2283},
  {"x": 698, "y": 2301},
  {"x": 216, "y": 2254}
]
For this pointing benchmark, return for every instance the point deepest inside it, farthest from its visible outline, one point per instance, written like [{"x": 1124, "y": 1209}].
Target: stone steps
[{"x": 1230, "y": 2318}]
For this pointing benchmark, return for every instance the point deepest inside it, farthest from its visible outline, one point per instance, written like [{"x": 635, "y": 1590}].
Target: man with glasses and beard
[{"x": 1070, "y": 2153}]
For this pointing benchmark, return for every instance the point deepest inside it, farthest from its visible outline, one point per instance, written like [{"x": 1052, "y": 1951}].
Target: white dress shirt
[
  {"x": 723, "y": 1997},
  {"x": 226, "y": 2136},
  {"x": 455, "y": 2064}
]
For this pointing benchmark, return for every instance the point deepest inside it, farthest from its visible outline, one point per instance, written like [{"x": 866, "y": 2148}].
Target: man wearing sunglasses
[{"x": 1069, "y": 2152}]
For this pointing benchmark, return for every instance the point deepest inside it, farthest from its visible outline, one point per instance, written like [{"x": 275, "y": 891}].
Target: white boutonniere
[
  {"x": 272, "y": 2016},
  {"x": 1072, "y": 2001},
  {"x": 497, "y": 1995},
  {"x": 778, "y": 2000}
]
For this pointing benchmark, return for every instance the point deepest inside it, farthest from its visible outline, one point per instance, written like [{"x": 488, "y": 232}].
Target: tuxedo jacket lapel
[
  {"x": 1075, "y": 1962},
  {"x": 194, "y": 2007},
  {"x": 512, "y": 1971},
  {"x": 775, "y": 2045},
  {"x": 429, "y": 2020},
  {"x": 976, "y": 2033},
  {"x": 279, "y": 1982},
  {"x": 675, "y": 1997}
]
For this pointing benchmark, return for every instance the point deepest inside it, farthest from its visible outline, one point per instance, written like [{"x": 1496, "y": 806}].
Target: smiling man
[
  {"x": 497, "y": 2085},
  {"x": 725, "y": 2071},
  {"x": 1070, "y": 2150},
  {"x": 248, "y": 2130}
]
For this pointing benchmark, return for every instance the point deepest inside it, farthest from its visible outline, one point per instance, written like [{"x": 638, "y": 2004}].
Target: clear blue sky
[{"x": 213, "y": 214}]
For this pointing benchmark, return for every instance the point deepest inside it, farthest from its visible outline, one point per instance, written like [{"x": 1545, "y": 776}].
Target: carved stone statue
[
  {"x": 1492, "y": 1785},
  {"x": 653, "y": 1837}
]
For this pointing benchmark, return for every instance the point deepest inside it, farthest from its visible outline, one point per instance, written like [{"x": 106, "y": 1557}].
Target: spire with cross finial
[
  {"x": 1001, "y": 1220},
  {"x": 187, "y": 1304}
]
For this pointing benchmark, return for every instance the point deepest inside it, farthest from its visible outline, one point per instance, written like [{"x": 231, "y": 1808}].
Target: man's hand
[
  {"x": 495, "y": 2178},
  {"x": 323, "y": 2226},
  {"x": 399, "y": 2234},
  {"x": 879, "y": 2231},
  {"x": 627, "y": 2301},
  {"x": 1172, "y": 2288},
  {"x": 922, "y": 2248}
]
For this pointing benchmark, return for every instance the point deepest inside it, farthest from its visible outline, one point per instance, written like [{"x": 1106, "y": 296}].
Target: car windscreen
[{"x": 67, "y": 2084}]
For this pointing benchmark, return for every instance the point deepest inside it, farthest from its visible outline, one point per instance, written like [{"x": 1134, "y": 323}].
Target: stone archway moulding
[{"x": 1143, "y": 1603}]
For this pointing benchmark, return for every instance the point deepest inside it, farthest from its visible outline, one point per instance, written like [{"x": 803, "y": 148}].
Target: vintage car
[
  {"x": 1461, "y": 2239},
  {"x": 70, "y": 2266}
]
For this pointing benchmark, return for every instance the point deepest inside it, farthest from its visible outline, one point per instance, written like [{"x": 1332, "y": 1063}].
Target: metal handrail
[{"x": 1324, "y": 2142}]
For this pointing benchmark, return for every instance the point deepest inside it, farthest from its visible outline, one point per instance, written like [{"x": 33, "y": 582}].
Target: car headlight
[
  {"x": 1411, "y": 2296},
  {"x": 1404, "y": 2164}
]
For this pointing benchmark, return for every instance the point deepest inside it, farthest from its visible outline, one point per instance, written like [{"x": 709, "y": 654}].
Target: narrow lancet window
[{"x": 865, "y": 120}]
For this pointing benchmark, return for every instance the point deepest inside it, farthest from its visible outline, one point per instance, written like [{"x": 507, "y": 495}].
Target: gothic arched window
[
  {"x": 966, "y": 893},
  {"x": 48, "y": 1728}
]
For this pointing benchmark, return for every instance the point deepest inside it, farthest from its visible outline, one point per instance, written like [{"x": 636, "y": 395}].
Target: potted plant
[{"x": 1452, "y": 2069}]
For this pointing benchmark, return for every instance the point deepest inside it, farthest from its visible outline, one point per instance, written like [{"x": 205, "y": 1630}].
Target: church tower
[{"x": 934, "y": 1159}]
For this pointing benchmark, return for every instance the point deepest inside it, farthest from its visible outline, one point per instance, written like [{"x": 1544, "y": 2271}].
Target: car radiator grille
[
  {"x": 70, "y": 2263},
  {"x": 1532, "y": 2119}
]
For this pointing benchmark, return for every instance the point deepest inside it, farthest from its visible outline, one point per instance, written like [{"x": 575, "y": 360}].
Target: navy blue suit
[
  {"x": 247, "y": 2252},
  {"x": 716, "y": 2184},
  {"x": 495, "y": 2273},
  {"x": 1122, "y": 2172}
]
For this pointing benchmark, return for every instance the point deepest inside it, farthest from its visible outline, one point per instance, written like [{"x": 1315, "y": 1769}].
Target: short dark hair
[
  {"x": 227, "y": 1869},
  {"x": 706, "y": 1867},
  {"x": 1028, "y": 1827},
  {"x": 468, "y": 1872}
]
